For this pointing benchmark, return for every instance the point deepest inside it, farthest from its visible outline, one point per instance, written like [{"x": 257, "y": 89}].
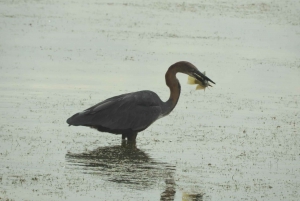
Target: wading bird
[{"x": 130, "y": 113}]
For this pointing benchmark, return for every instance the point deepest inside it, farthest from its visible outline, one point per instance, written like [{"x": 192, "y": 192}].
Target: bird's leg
[
  {"x": 132, "y": 136},
  {"x": 128, "y": 144},
  {"x": 124, "y": 136}
]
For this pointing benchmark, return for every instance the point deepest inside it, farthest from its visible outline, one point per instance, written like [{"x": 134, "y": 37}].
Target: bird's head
[{"x": 196, "y": 77}]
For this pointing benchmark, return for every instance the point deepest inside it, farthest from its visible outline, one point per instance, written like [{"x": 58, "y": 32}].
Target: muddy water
[{"x": 237, "y": 141}]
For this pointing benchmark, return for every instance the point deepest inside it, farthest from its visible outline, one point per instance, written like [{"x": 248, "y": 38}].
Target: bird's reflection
[
  {"x": 128, "y": 165},
  {"x": 125, "y": 164}
]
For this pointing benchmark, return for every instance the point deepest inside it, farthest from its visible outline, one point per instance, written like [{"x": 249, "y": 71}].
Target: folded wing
[{"x": 127, "y": 112}]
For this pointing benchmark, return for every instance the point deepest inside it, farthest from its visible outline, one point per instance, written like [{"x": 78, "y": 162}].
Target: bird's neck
[{"x": 174, "y": 85}]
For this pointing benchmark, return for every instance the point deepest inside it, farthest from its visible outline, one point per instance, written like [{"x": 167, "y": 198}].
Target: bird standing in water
[{"x": 130, "y": 113}]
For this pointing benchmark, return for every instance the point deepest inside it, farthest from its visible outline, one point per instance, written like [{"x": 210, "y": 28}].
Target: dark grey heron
[{"x": 130, "y": 113}]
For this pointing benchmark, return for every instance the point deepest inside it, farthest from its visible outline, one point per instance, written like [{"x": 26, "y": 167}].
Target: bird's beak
[{"x": 202, "y": 78}]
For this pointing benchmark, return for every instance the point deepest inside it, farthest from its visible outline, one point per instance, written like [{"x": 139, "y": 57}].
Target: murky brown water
[{"x": 237, "y": 141}]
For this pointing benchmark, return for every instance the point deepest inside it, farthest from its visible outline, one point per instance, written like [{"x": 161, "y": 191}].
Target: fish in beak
[{"x": 200, "y": 80}]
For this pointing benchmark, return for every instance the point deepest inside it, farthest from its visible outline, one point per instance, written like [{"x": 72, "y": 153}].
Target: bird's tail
[{"x": 78, "y": 119}]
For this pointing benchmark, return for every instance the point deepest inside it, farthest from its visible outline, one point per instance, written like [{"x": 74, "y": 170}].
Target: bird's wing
[{"x": 135, "y": 111}]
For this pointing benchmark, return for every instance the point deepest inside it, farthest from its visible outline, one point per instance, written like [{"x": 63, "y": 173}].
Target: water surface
[{"x": 237, "y": 141}]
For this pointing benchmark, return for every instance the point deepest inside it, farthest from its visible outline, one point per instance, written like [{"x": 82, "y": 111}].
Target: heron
[{"x": 130, "y": 113}]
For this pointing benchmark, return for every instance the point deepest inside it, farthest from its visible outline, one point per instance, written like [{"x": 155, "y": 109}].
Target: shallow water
[{"x": 236, "y": 141}]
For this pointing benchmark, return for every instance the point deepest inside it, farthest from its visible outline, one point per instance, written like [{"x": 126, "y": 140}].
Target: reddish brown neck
[{"x": 173, "y": 83}]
